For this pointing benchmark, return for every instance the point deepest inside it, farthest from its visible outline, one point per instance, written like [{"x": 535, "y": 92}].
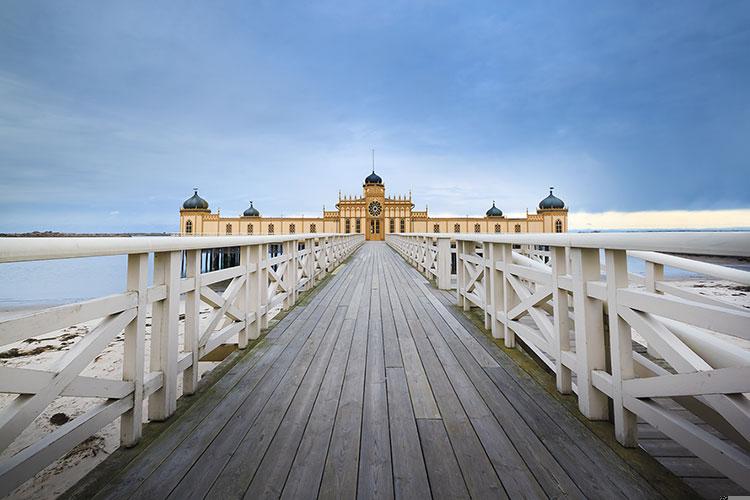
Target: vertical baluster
[
  {"x": 589, "y": 333},
  {"x": 654, "y": 274},
  {"x": 192, "y": 321},
  {"x": 164, "y": 345},
  {"x": 495, "y": 279},
  {"x": 621, "y": 348},
  {"x": 263, "y": 284},
  {"x": 487, "y": 269},
  {"x": 460, "y": 275},
  {"x": 510, "y": 297},
  {"x": 444, "y": 263},
  {"x": 310, "y": 262},
  {"x": 134, "y": 349},
  {"x": 243, "y": 298},
  {"x": 561, "y": 326}
]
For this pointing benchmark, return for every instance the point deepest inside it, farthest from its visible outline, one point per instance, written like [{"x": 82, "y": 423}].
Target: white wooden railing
[
  {"x": 257, "y": 288},
  {"x": 561, "y": 311}
]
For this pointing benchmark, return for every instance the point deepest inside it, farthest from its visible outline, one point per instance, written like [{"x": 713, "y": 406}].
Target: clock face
[{"x": 374, "y": 208}]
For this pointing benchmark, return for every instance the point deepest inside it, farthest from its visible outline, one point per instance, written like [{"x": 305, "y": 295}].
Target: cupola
[
  {"x": 251, "y": 211},
  {"x": 494, "y": 211},
  {"x": 195, "y": 202},
  {"x": 551, "y": 202}
]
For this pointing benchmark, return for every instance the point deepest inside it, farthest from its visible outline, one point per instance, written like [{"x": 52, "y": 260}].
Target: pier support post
[
  {"x": 510, "y": 297},
  {"x": 495, "y": 279}
]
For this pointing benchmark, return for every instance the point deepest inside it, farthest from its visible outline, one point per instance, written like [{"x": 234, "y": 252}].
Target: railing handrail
[
  {"x": 702, "y": 243},
  {"x": 29, "y": 249}
]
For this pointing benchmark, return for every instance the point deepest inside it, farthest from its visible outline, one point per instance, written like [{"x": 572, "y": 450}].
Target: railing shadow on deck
[
  {"x": 268, "y": 277},
  {"x": 554, "y": 294}
]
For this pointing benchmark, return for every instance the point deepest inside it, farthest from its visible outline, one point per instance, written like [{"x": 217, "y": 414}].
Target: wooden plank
[
  {"x": 233, "y": 457},
  {"x": 259, "y": 380},
  {"x": 479, "y": 475},
  {"x": 375, "y": 469},
  {"x": 391, "y": 347},
  {"x": 342, "y": 463},
  {"x": 409, "y": 473},
  {"x": 531, "y": 394},
  {"x": 446, "y": 480}
]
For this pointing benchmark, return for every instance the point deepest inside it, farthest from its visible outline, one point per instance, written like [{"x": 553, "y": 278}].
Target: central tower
[{"x": 374, "y": 194}]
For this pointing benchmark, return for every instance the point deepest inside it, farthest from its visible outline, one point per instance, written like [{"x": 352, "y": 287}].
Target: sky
[{"x": 111, "y": 112}]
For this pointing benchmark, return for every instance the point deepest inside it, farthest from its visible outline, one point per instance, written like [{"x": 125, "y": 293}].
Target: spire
[
  {"x": 373, "y": 160},
  {"x": 550, "y": 189}
]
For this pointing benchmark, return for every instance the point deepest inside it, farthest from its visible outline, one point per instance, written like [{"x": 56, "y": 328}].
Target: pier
[{"x": 428, "y": 365}]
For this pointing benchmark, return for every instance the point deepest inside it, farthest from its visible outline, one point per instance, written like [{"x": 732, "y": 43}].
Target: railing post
[
  {"x": 243, "y": 298},
  {"x": 621, "y": 348},
  {"x": 654, "y": 273},
  {"x": 510, "y": 297},
  {"x": 444, "y": 263},
  {"x": 310, "y": 262},
  {"x": 561, "y": 325},
  {"x": 257, "y": 283},
  {"x": 288, "y": 274},
  {"x": 460, "y": 276},
  {"x": 192, "y": 320},
  {"x": 495, "y": 279},
  {"x": 134, "y": 350},
  {"x": 163, "y": 402},
  {"x": 589, "y": 333},
  {"x": 487, "y": 269}
]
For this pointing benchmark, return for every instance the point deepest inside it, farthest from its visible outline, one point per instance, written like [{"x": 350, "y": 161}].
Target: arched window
[
  {"x": 270, "y": 228},
  {"x": 313, "y": 228},
  {"x": 229, "y": 229},
  {"x": 518, "y": 228},
  {"x": 402, "y": 226},
  {"x": 498, "y": 228},
  {"x": 436, "y": 228},
  {"x": 558, "y": 226},
  {"x": 477, "y": 228},
  {"x": 391, "y": 226},
  {"x": 347, "y": 226},
  {"x": 189, "y": 227},
  {"x": 292, "y": 229},
  {"x": 456, "y": 228},
  {"x": 249, "y": 229},
  {"x": 358, "y": 226}
]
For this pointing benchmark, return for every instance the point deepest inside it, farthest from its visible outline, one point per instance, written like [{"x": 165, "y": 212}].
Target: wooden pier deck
[{"x": 375, "y": 388}]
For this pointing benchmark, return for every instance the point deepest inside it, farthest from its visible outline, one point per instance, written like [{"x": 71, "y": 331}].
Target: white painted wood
[
  {"x": 190, "y": 375},
  {"x": 561, "y": 326},
  {"x": 134, "y": 352},
  {"x": 15, "y": 380},
  {"x": 47, "y": 320},
  {"x": 164, "y": 346},
  {"x": 589, "y": 333},
  {"x": 621, "y": 348}
]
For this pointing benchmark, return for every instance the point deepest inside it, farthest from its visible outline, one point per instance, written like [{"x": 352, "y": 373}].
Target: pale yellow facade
[{"x": 372, "y": 214}]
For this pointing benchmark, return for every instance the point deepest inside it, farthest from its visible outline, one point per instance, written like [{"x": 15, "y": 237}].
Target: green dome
[
  {"x": 251, "y": 211},
  {"x": 494, "y": 211},
  {"x": 551, "y": 202}
]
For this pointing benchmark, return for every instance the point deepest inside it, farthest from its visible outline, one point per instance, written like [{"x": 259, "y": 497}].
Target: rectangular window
[
  {"x": 358, "y": 226},
  {"x": 402, "y": 226}
]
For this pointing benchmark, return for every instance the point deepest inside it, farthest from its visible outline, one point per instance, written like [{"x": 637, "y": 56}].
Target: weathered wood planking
[{"x": 378, "y": 388}]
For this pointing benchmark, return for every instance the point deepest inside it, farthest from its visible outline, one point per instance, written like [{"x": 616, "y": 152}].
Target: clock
[{"x": 374, "y": 208}]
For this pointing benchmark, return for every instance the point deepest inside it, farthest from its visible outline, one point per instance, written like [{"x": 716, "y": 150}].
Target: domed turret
[
  {"x": 195, "y": 202},
  {"x": 551, "y": 202},
  {"x": 494, "y": 211},
  {"x": 251, "y": 211},
  {"x": 373, "y": 178}
]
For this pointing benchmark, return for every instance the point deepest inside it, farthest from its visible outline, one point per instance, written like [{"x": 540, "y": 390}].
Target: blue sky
[{"x": 110, "y": 112}]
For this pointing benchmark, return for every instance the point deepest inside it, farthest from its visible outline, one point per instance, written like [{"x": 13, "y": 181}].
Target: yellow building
[{"x": 373, "y": 214}]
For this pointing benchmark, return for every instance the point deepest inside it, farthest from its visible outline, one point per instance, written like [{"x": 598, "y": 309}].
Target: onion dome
[
  {"x": 251, "y": 211},
  {"x": 494, "y": 211},
  {"x": 195, "y": 202},
  {"x": 373, "y": 178},
  {"x": 551, "y": 202}
]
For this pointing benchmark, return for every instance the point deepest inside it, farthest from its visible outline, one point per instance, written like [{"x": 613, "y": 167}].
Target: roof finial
[
  {"x": 550, "y": 189},
  {"x": 493, "y": 203},
  {"x": 195, "y": 190},
  {"x": 373, "y": 160}
]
